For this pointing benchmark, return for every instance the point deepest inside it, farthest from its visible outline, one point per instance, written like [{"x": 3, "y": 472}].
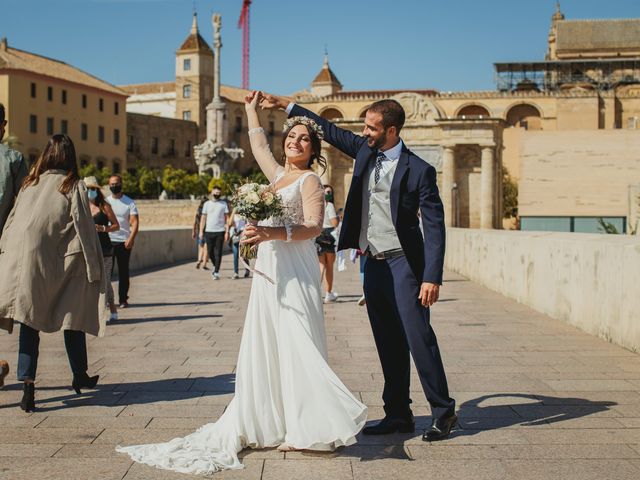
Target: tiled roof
[
  {"x": 590, "y": 35},
  {"x": 195, "y": 42},
  {"x": 144, "y": 88},
  {"x": 326, "y": 75},
  {"x": 233, "y": 94},
  {"x": 15, "y": 59}
]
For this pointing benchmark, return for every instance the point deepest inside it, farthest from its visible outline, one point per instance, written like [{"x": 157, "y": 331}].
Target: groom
[{"x": 403, "y": 273}]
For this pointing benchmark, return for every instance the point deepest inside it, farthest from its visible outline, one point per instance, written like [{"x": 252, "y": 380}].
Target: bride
[{"x": 286, "y": 394}]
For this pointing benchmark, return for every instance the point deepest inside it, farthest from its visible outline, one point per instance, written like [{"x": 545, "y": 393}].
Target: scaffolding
[{"x": 603, "y": 74}]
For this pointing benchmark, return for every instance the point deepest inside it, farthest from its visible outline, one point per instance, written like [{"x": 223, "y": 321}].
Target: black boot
[
  {"x": 28, "y": 402},
  {"x": 82, "y": 380}
]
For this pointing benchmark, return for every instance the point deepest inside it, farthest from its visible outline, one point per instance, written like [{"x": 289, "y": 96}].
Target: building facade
[
  {"x": 172, "y": 110},
  {"x": 566, "y": 128},
  {"x": 43, "y": 97}
]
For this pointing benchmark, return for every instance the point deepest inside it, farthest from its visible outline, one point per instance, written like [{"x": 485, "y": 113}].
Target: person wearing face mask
[
  {"x": 326, "y": 244},
  {"x": 106, "y": 222},
  {"x": 214, "y": 230},
  {"x": 123, "y": 239}
]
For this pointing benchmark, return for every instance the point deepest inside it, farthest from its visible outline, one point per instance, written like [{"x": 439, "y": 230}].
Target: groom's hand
[
  {"x": 272, "y": 101},
  {"x": 429, "y": 293}
]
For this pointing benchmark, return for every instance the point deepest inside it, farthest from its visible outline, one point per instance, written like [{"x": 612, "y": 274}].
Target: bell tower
[{"x": 194, "y": 79}]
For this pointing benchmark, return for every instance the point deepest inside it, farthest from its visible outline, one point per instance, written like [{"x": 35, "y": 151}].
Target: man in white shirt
[
  {"x": 214, "y": 228},
  {"x": 127, "y": 214}
]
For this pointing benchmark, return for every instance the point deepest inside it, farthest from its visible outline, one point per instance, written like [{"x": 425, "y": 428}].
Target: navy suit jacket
[{"x": 413, "y": 190}]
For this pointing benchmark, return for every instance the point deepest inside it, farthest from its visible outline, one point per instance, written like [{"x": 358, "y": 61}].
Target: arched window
[
  {"x": 524, "y": 116},
  {"x": 473, "y": 111},
  {"x": 331, "y": 114}
]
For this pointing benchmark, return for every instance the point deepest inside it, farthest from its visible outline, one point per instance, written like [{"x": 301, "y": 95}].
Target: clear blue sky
[{"x": 373, "y": 44}]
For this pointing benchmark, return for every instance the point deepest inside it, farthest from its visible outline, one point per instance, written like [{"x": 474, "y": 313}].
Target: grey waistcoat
[{"x": 377, "y": 231}]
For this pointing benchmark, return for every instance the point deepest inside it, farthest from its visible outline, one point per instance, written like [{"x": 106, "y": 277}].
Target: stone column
[
  {"x": 448, "y": 179},
  {"x": 487, "y": 187}
]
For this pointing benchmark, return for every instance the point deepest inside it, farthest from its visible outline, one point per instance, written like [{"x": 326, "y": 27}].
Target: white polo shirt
[
  {"x": 215, "y": 211},
  {"x": 123, "y": 208}
]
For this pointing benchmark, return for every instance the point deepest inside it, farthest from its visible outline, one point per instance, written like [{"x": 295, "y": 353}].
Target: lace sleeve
[
  {"x": 262, "y": 153},
  {"x": 313, "y": 209}
]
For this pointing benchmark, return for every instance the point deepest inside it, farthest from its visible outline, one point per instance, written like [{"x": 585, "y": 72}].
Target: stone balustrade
[{"x": 590, "y": 281}]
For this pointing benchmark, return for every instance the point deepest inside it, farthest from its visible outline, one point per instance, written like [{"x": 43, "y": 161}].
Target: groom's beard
[{"x": 377, "y": 144}]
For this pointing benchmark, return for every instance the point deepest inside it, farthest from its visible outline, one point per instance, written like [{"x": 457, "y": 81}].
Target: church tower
[
  {"x": 194, "y": 79},
  {"x": 326, "y": 82},
  {"x": 558, "y": 16}
]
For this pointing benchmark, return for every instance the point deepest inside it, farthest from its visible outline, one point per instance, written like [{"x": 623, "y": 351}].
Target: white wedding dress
[{"x": 285, "y": 390}]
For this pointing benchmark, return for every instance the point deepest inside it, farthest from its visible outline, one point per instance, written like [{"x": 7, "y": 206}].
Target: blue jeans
[
  {"x": 74, "y": 341},
  {"x": 235, "y": 248}
]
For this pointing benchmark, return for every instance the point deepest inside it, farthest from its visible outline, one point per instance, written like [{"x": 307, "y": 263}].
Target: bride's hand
[
  {"x": 251, "y": 100},
  {"x": 254, "y": 234}
]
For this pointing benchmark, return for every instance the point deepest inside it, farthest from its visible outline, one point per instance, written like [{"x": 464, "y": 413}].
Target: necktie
[{"x": 378, "y": 167}]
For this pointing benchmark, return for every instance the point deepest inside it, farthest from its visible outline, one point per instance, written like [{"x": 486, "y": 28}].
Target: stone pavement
[{"x": 537, "y": 399}]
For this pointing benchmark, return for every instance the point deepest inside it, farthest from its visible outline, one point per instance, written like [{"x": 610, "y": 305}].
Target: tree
[
  {"x": 607, "y": 227},
  {"x": 130, "y": 184},
  {"x": 257, "y": 176},
  {"x": 173, "y": 180},
  {"x": 509, "y": 194},
  {"x": 148, "y": 182}
]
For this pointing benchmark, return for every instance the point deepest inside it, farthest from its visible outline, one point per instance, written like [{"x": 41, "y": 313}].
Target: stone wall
[
  {"x": 177, "y": 213},
  {"x": 162, "y": 246},
  {"x": 587, "y": 280},
  {"x": 578, "y": 173}
]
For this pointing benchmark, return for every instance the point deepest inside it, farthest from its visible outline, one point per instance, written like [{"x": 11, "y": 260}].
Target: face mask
[
  {"x": 115, "y": 189},
  {"x": 92, "y": 195},
  {"x": 216, "y": 196},
  {"x": 328, "y": 197}
]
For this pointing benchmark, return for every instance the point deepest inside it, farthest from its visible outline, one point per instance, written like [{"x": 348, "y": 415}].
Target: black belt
[{"x": 398, "y": 252}]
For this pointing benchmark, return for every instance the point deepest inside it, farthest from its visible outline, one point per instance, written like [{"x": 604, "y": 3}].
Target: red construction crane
[{"x": 243, "y": 23}]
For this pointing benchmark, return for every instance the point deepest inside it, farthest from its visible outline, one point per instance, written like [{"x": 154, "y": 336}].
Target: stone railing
[
  {"x": 587, "y": 280},
  {"x": 156, "y": 213},
  {"x": 162, "y": 246}
]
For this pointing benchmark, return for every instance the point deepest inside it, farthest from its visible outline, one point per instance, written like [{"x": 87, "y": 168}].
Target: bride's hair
[{"x": 316, "y": 147}]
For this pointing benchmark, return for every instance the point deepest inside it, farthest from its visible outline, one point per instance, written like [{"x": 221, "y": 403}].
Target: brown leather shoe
[{"x": 4, "y": 371}]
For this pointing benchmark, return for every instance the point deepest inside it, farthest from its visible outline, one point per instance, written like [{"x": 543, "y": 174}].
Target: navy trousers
[
  {"x": 29, "y": 349},
  {"x": 401, "y": 327}
]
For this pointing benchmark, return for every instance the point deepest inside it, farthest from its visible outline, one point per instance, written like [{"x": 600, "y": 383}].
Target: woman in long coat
[{"x": 51, "y": 267}]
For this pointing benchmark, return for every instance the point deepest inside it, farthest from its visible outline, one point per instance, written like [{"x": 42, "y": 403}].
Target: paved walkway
[{"x": 537, "y": 399}]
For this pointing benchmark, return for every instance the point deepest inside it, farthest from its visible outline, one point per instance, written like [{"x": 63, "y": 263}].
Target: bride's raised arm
[{"x": 258, "y": 139}]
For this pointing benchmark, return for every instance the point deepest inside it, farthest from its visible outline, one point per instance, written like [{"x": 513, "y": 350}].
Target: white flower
[
  {"x": 253, "y": 198},
  {"x": 268, "y": 198},
  {"x": 246, "y": 188}
]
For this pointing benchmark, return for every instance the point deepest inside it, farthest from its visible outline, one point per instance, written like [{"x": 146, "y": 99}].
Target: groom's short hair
[{"x": 391, "y": 111}]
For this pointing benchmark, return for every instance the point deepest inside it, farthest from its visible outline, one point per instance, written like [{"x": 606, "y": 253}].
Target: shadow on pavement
[
  {"x": 134, "y": 393},
  {"x": 132, "y": 321},
  {"x": 173, "y": 304},
  {"x": 545, "y": 410}
]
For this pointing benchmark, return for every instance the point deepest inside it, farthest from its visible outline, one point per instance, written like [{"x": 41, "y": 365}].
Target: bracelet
[
  {"x": 255, "y": 130},
  {"x": 287, "y": 228}
]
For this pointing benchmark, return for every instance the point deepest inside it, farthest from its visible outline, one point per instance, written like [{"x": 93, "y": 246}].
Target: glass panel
[
  {"x": 592, "y": 225},
  {"x": 546, "y": 224}
]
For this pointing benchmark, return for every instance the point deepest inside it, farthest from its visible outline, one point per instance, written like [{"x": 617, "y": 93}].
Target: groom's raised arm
[{"x": 344, "y": 140}]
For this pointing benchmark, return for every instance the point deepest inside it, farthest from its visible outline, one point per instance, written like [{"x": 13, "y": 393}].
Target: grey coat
[
  {"x": 13, "y": 169},
  {"x": 51, "y": 266}
]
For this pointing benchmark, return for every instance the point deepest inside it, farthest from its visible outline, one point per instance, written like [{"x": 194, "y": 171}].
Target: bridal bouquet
[{"x": 256, "y": 202}]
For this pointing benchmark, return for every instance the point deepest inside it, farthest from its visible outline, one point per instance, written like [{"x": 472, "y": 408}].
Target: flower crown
[{"x": 307, "y": 122}]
